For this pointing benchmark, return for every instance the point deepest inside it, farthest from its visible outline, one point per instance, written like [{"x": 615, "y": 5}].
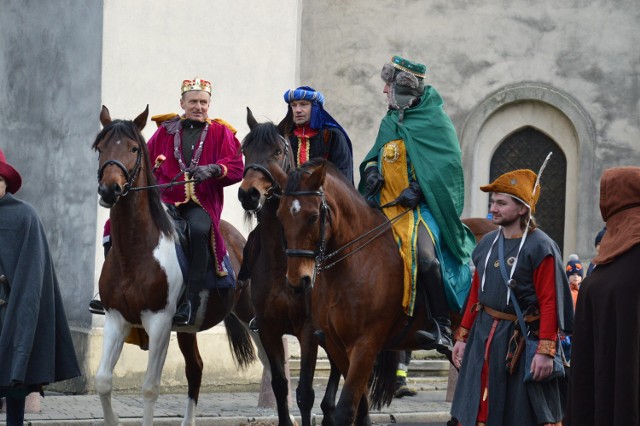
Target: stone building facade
[{"x": 519, "y": 78}]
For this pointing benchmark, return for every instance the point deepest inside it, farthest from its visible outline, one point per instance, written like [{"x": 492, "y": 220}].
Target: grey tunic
[{"x": 511, "y": 402}]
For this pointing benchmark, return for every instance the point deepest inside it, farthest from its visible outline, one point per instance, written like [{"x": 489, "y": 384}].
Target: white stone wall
[{"x": 248, "y": 50}]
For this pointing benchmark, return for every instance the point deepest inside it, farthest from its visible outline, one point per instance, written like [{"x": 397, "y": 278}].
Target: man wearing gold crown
[
  {"x": 207, "y": 152},
  {"x": 416, "y": 164},
  {"x": 517, "y": 260}
]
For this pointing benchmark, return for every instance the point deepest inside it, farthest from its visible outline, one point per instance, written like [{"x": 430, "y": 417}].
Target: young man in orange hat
[
  {"x": 35, "y": 342},
  {"x": 486, "y": 392}
]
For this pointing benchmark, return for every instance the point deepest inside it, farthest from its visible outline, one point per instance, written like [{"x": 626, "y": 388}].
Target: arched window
[{"x": 526, "y": 149}]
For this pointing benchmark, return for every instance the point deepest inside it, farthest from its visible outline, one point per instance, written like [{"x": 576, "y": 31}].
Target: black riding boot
[
  {"x": 186, "y": 313},
  {"x": 251, "y": 246},
  {"x": 96, "y": 307},
  {"x": 199, "y": 258},
  {"x": 438, "y": 336}
]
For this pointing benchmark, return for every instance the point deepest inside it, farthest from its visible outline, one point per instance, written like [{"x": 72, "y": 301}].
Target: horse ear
[
  {"x": 251, "y": 120},
  {"x": 105, "y": 117},
  {"x": 317, "y": 176},
  {"x": 141, "y": 120}
]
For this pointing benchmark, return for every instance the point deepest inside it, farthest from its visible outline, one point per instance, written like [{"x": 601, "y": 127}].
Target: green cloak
[{"x": 432, "y": 145}]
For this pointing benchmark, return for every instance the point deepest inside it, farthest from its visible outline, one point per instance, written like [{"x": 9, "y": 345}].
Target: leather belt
[{"x": 505, "y": 316}]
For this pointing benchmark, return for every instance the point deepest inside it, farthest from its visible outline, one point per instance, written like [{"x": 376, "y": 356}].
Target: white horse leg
[
  {"x": 158, "y": 326},
  {"x": 116, "y": 328}
]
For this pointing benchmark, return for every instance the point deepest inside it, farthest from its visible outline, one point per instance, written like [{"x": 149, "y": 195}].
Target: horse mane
[
  {"x": 266, "y": 133},
  {"x": 295, "y": 178},
  {"x": 119, "y": 129}
]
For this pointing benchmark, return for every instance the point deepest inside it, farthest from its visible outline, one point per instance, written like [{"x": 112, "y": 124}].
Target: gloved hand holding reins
[
  {"x": 410, "y": 196},
  {"x": 373, "y": 183},
  {"x": 200, "y": 173}
]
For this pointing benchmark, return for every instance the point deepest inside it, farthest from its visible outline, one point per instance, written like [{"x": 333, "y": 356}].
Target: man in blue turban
[{"x": 312, "y": 131}]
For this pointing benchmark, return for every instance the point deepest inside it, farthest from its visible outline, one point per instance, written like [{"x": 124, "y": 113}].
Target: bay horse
[
  {"x": 141, "y": 279},
  {"x": 279, "y": 309},
  {"x": 357, "y": 291}
]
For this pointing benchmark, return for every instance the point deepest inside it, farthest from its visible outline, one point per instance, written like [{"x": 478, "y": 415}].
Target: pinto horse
[
  {"x": 279, "y": 309},
  {"x": 346, "y": 252},
  {"x": 141, "y": 278}
]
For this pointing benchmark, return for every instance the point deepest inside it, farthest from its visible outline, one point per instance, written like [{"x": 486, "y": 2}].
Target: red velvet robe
[{"x": 220, "y": 147}]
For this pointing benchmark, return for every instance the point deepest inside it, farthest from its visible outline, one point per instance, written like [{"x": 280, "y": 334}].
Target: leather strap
[{"x": 505, "y": 316}]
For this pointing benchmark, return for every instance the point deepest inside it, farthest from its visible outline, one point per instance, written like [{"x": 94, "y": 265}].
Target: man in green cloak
[{"x": 416, "y": 164}]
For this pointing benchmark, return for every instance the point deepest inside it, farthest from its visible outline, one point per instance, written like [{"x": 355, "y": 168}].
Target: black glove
[
  {"x": 373, "y": 181},
  {"x": 200, "y": 173},
  {"x": 410, "y": 196}
]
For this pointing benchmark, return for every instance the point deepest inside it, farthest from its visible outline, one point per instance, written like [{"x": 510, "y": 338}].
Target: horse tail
[
  {"x": 239, "y": 341},
  {"x": 383, "y": 380}
]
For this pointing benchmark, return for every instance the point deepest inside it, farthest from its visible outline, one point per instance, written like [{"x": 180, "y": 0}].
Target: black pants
[
  {"x": 199, "y": 237},
  {"x": 430, "y": 276}
]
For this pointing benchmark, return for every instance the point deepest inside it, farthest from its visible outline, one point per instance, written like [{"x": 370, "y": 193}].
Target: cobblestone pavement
[{"x": 231, "y": 408}]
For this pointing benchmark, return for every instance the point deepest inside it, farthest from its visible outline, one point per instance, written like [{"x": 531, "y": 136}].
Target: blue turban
[{"x": 319, "y": 117}]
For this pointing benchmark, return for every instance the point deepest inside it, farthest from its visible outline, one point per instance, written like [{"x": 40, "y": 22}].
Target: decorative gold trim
[
  {"x": 391, "y": 152},
  {"x": 546, "y": 347},
  {"x": 400, "y": 67},
  {"x": 461, "y": 334}
]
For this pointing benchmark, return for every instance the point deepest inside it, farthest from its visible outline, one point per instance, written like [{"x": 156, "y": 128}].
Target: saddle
[{"x": 212, "y": 280}]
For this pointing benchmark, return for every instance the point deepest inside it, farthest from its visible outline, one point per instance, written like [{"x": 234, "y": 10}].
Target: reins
[
  {"x": 318, "y": 254},
  {"x": 381, "y": 228},
  {"x": 164, "y": 185}
]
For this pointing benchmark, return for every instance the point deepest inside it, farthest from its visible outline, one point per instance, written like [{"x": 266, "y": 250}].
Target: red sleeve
[
  {"x": 229, "y": 158},
  {"x": 544, "y": 280},
  {"x": 470, "y": 312}
]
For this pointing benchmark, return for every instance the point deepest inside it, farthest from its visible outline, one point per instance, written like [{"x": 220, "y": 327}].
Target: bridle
[
  {"x": 285, "y": 165},
  {"x": 130, "y": 176},
  {"x": 319, "y": 254},
  {"x": 325, "y": 212}
]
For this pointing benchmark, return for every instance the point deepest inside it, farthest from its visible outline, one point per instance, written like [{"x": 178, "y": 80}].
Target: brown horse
[
  {"x": 346, "y": 252},
  {"x": 141, "y": 279},
  {"x": 279, "y": 309}
]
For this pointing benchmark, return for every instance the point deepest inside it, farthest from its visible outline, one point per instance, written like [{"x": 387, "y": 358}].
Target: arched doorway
[{"x": 527, "y": 148}]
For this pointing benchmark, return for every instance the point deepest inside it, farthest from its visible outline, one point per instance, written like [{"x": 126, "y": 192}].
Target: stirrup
[
  {"x": 253, "y": 324},
  {"x": 96, "y": 307},
  {"x": 184, "y": 315}
]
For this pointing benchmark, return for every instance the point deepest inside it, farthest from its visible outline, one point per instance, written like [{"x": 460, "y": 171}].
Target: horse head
[
  {"x": 121, "y": 150},
  {"x": 268, "y": 159},
  {"x": 306, "y": 219}
]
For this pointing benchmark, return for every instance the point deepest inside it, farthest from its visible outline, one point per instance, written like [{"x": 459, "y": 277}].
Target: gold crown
[{"x": 196, "y": 84}]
